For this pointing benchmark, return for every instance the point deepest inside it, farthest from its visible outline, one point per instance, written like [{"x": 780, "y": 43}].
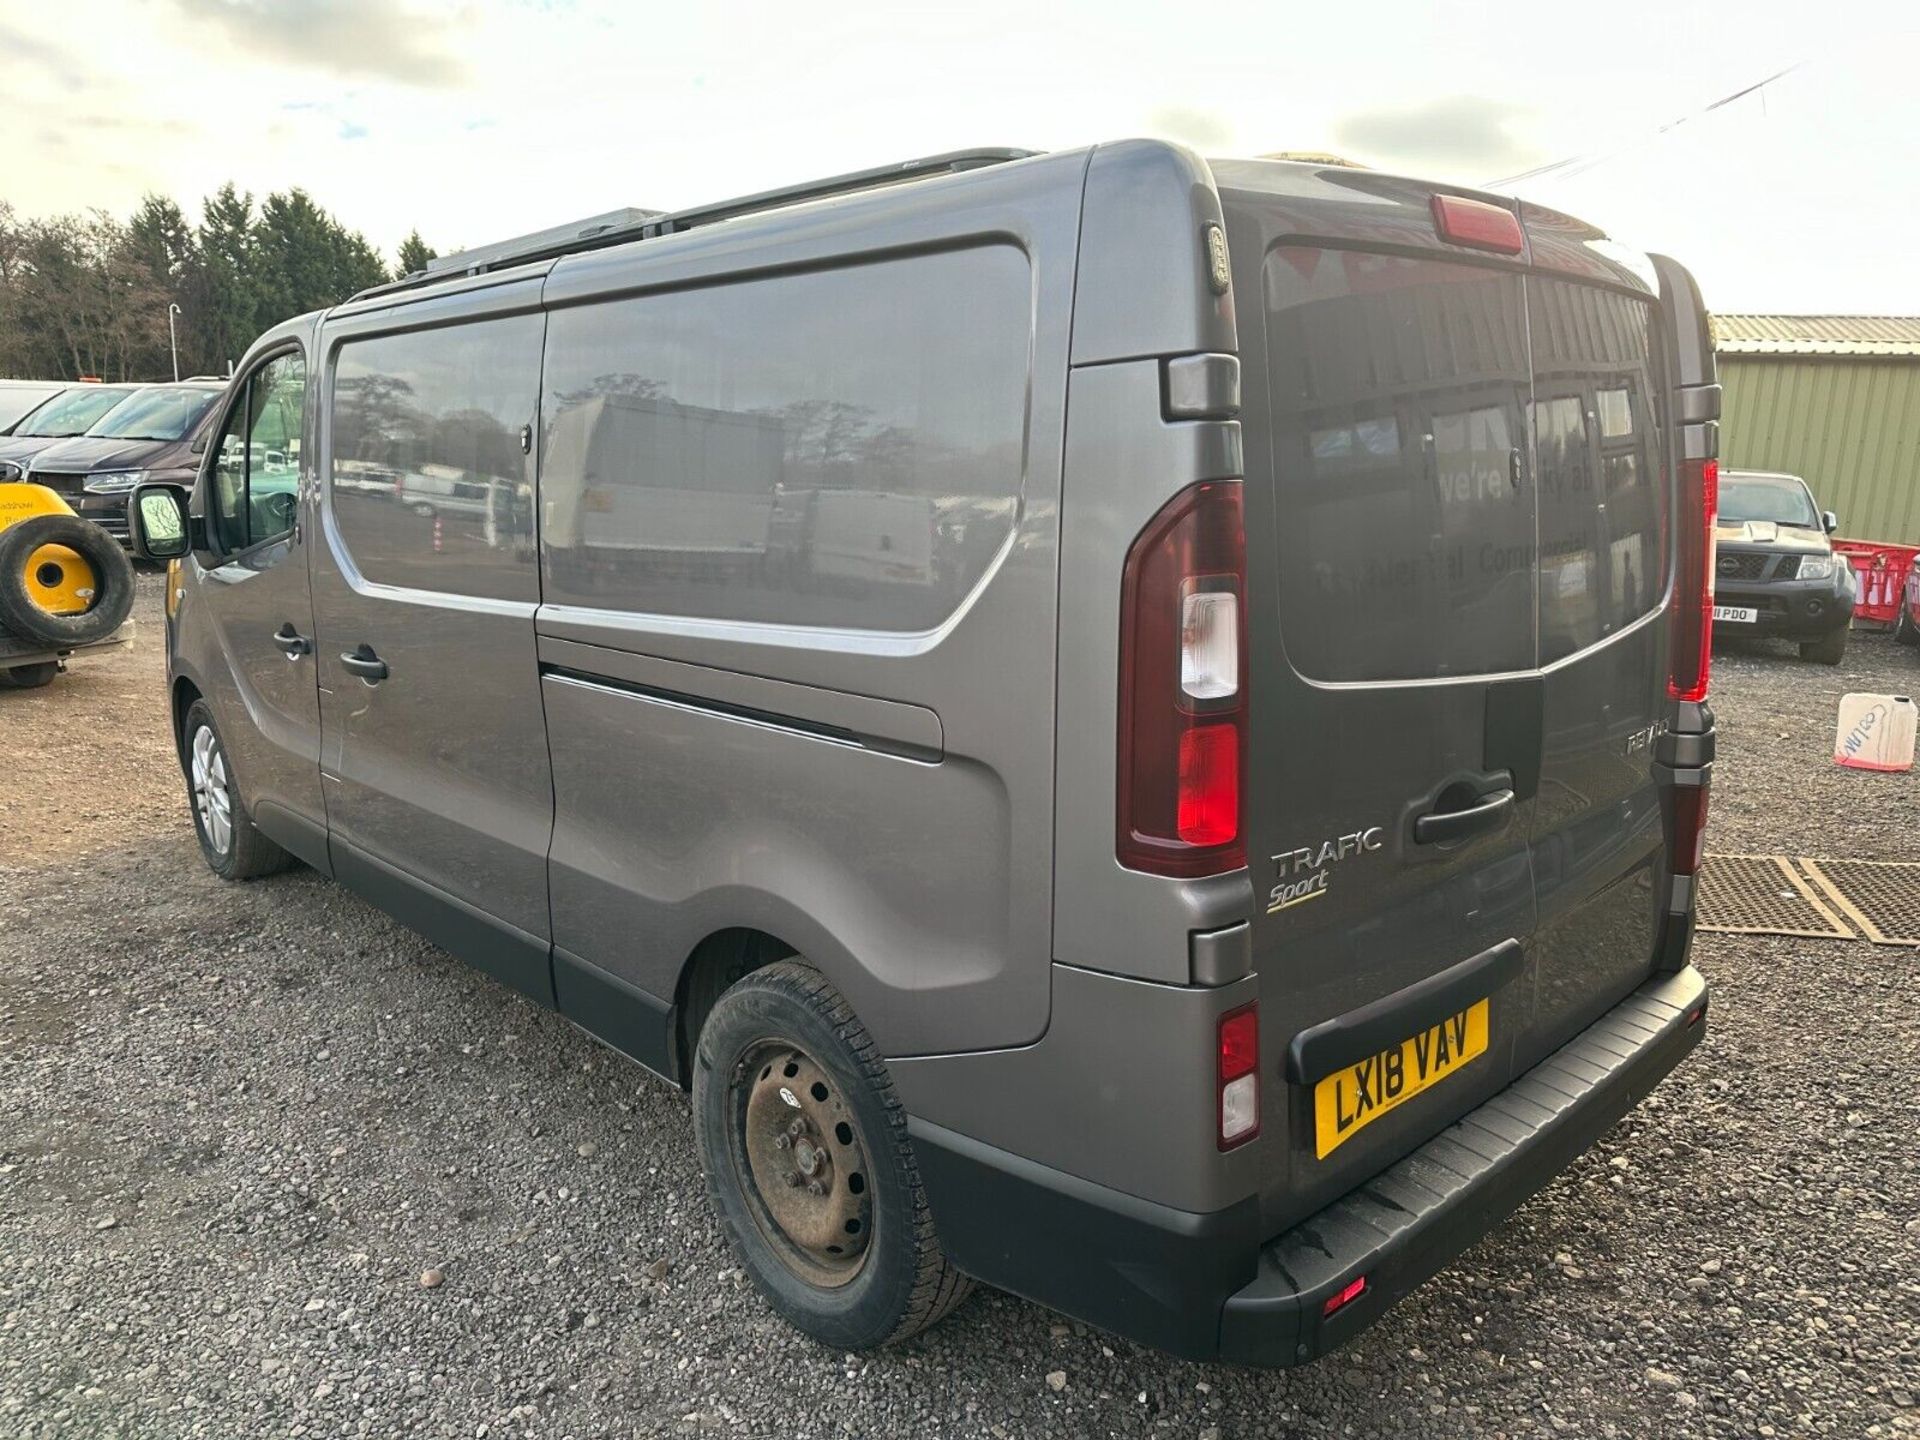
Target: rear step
[{"x": 1334, "y": 1273}]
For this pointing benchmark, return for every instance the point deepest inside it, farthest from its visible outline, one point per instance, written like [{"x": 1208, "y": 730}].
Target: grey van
[{"x": 1132, "y": 729}]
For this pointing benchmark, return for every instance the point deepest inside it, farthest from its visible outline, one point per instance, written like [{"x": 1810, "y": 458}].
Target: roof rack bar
[{"x": 596, "y": 234}]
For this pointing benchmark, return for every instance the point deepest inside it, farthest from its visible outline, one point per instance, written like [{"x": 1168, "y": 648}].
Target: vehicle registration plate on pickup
[
  {"x": 1739, "y": 614},
  {"x": 1350, "y": 1099}
]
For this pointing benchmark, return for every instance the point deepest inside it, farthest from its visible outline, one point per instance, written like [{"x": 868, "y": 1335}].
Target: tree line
[{"x": 89, "y": 294}]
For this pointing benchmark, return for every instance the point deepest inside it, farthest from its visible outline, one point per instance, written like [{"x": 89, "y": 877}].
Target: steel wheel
[
  {"x": 798, "y": 1153},
  {"x": 212, "y": 795}
]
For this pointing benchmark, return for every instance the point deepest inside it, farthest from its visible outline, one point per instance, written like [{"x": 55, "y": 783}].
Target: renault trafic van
[{"x": 1132, "y": 729}]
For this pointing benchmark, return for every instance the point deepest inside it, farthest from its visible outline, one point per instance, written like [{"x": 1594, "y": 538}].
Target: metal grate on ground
[
  {"x": 1763, "y": 895},
  {"x": 1882, "y": 897}
]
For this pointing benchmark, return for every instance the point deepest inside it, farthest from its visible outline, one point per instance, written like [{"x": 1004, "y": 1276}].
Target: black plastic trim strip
[
  {"x": 813, "y": 729},
  {"x": 639, "y": 1025},
  {"x": 1319, "y": 1050}
]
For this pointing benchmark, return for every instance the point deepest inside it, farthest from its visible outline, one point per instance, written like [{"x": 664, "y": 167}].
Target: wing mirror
[
  {"x": 157, "y": 527},
  {"x": 1830, "y": 520},
  {"x": 199, "y": 446}
]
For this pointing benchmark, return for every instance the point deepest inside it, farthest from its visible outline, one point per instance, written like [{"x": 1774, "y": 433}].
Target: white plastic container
[{"x": 1875, "y": 732}]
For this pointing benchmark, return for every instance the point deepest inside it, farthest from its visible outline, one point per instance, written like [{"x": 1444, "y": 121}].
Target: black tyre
[
  {"x": 1828, "y": 650},
  {"x": 809, "y": 1167},
  {"x": 233, "y": 848},
  {"x": 1904, "y": 629},
  {"x": 29, "y": 677},
  {"x": 23, "y": 614}
]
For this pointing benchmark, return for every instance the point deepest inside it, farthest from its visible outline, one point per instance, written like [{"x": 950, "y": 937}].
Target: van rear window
[
  {"x": 1398, "y": 390},
  {"x": 835, "y": 448}
]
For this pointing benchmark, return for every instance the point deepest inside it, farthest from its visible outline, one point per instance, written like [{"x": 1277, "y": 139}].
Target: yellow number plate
[{"x": 1349, "y": 1100}]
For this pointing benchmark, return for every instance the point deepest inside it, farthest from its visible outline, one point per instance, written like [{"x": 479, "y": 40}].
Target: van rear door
[
  {"x": 1599, "y": 854},
  {"x": 1394, "y": 751}
]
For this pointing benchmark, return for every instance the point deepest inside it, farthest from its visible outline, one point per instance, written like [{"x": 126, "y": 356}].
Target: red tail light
[
  {"x": 1183, "y": 708},
  {"x": 1238, "y": 1082},
  {"x": 1691, "y": 646},
  {"x": 1344, "y": 1297},
  {"x": 1689, "y": 827}
]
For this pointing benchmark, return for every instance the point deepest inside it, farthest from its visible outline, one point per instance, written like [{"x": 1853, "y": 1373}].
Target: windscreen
[
  {"x": 19, "y": 401},
  {"x": 1780, "y": 499},
  {"x": 160, "y": 413},
  {"x": 75, "y": 412}
]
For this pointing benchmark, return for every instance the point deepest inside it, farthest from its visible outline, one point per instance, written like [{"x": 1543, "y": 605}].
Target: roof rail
[{"x": 621, "y": 226}]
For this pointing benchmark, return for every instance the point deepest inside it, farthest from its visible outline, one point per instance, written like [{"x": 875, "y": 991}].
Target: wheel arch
[{"x": 716, "y": 962}]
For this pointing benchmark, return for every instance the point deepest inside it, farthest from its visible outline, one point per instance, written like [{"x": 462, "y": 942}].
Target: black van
[{"x": 1133, "y": 729}]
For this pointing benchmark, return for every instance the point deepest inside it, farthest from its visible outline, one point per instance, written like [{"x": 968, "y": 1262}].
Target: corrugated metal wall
[{"x": 1849, "y": 428}]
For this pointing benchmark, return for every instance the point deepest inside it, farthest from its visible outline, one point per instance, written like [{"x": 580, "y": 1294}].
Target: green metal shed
[{"x": 1834, "y": 399}]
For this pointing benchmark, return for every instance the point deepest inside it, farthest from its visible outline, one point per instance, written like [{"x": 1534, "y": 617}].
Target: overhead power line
[{"x": 1579, "y": 164}]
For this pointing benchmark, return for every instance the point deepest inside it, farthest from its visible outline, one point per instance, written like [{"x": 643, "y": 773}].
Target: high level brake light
[
  {"x": 1691, "y": 646},
  {"x": 1478, "y": 225},
  {"x": 1183, "y": 661}
]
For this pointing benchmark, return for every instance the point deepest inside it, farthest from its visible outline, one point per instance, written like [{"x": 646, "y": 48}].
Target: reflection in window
[
  {"x": 1397, "y": 388},
  {"x": 430, "y": 483},
  {"x": 256, "y": 468},
  {"x": 839, "y": 447},
  {"x": 1596, "y": 440}
]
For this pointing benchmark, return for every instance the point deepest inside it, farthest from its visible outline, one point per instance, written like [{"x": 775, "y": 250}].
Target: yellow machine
[
  {"x": 65, "y": 585},
  {"x": 60, "y": 580}
]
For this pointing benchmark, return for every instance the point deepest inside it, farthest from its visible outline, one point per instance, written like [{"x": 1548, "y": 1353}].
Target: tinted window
[
  {"x": 75, "y": 412},
  {"x": 1597, "y": 433},
  {"x": 162, "y": 412},
  {"x": 1398, "y": 389},
  {"x": 837, "y": 448},
  {"x": 256, "y": 466},
  {"x": 430, "y": 483}
]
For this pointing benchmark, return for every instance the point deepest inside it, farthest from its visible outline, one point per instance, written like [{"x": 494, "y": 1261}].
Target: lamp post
[{"x": 172, "y": 343}]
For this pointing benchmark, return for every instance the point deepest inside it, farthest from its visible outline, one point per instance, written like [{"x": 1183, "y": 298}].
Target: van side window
[
  {"x": 256, "y": 474},
  {"x": 1398, "y": 391},
  {"x": 428, "y": 479},
  {"x": 834, "y": 448},
  {"x": 1597, "y": 438}
]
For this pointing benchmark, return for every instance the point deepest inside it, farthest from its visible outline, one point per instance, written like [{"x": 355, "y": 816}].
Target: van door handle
[
  {"x": 291, "y": 642},
  {"x": 1437, "y": 827},
  {"x": 363, "y": 662}
]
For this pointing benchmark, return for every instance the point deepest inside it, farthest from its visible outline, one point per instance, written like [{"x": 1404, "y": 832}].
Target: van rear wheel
[{"x": 809, "y": 1166}]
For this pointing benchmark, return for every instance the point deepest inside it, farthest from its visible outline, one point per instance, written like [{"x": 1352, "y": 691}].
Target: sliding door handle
[{"x": 363, "y": 662}]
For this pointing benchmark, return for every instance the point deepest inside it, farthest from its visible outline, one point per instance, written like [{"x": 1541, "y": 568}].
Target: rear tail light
[
  {"x": 1691, "y": 645},
  {"x": 1477, "y": 224},
  {"x": 1238, "y": 1081},
  {"x": 1689, "y": 827},
  {"x": 1183, "y": 661}
]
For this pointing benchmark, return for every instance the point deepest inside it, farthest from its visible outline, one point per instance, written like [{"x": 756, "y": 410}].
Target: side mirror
[
  {"x": 157, "y": 523},
  {"x": 199, "y": 446},
  {"x": 1830, "y": 520}
]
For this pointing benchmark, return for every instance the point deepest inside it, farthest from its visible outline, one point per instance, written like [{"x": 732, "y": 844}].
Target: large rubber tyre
[
  {"x": 1828, "y": 650},
  {"x": 901, "y": 1281},
  {"x": 234, "y": 849},
  {"x": 29, "y": 677},
  {"x": 1904, "y": 630},
  {"x": 112, "y": 602}
]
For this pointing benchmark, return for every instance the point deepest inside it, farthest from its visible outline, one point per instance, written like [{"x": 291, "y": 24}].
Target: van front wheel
[
  {"x": 809, "y": 1166},
  {"x": 233, "y": 848}
]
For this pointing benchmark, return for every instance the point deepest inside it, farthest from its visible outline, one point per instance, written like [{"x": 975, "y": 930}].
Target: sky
[{"x": 477, "y": 121}]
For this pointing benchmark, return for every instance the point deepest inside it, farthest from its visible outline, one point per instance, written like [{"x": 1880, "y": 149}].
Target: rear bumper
[{"x": 1204, "y": 1286}]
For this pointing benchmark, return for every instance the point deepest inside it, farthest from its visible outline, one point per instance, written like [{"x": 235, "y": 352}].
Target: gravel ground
[{"x": 240, "y": 1124}]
